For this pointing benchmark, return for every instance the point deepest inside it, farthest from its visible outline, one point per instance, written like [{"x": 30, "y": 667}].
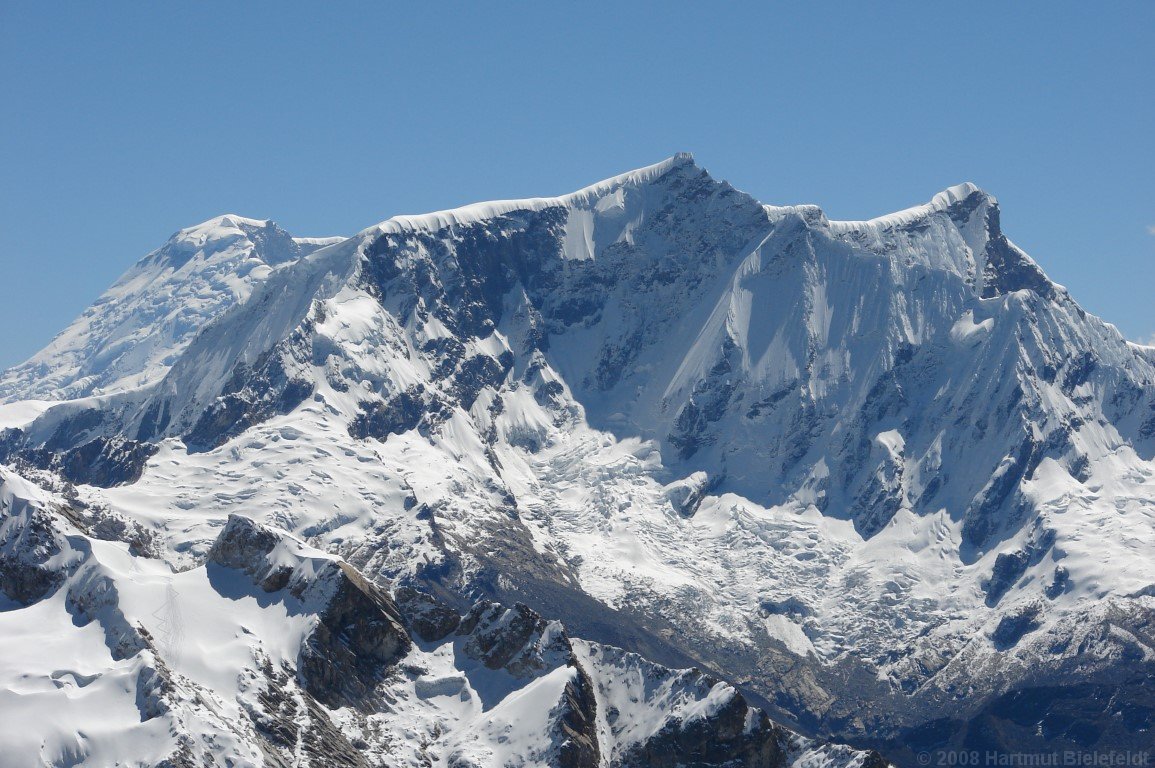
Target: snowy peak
[
  {"x": 957, "y": 194},
  {"x": 219, "y": 226},
  {"x": 261, "y": 239},
  {"x": 134, "y": 332},
  {"x": 959, "y": 231}
]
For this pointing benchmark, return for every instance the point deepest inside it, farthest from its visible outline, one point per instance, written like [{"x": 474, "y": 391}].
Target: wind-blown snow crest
[
  {"x": 583, "y": 198},
  {"x": 940, "y": 202}
]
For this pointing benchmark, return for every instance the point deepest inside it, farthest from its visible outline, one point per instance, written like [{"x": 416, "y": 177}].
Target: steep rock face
[
  {"x": 515, "y": 639},
  {"x": 577, "y": 723},
  {"x": 358, "y": 634},
  {"x": 101, "y": 461},
  {"x": 730, "y": 736},
  {"x": 425, "y": 616},
  {"x": 523, "y": 644},
  {"x": 650, "y": 715}
]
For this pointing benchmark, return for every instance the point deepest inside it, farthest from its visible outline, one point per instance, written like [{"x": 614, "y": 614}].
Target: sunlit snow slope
[{"x": 135, "y": 330}]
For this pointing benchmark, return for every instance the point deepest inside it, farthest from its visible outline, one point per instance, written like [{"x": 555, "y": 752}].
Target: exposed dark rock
[
  {"x": 1079, "y": 371},
  {"x": 510, "y": 638},
  {"x": 251, "y": 396},
  {"x": 1013, "y": 626},
  {"x": 578, "y": 723},
  {"x": 707, "y": 404},
  {"x": 549, "y": 393},
  {"x": 359, "y": 634},
  {"x": 153, "y": 686},
  {"x": 30, "y": 543},
  {"x": 982, "y": 519},
  {"x": 768, "y": 403},
  {"x": 1009, "y": 568},
  {"x": 790, "y": 606},
  {"x": 1060, "y": 583},
  {"x": 155, "y": 420},
  {"x": 686, "y": 495},
  {"x": 403, "y": 412},
  {"x": 99, "y": 522},
  {"x": 244, "y": 545},
  {"x": 477, "y": 373},
  {"x": 294, "y": 725},
  {"x": 93, "y": 596},
  {"x": 428, "y": 618},
  {"x": 722, "y": 739},
  {"x": 522, "y": 643},
  {"x": 106, "y": 462},
  {"x": 880, "y": 498},
  {"x": 358, "y": 638},
  {"x": 1007, "y": 268},
  {"x": 465, "y": 284},
  {"x": 102, "y": 461},
  {"x": 75, "y": 430}
]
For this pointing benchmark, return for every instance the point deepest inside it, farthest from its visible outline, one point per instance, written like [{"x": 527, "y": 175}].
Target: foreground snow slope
[
  {"x": 273, "y": 653},
  {"x": 885, "y": 476}
]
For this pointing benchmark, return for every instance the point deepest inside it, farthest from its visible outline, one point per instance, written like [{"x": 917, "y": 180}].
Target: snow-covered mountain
[
  {"x": 884, "y": 477},
  {"x": 135, "y": 331}
]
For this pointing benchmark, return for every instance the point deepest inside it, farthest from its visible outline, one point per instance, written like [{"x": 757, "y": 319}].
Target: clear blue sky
[{"x": 125, "y": 122}]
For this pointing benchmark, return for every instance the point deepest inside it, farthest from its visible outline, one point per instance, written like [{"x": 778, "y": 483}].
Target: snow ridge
[
  {"x": 940, "y": 202},
  {"x": 583, "y": 198}
]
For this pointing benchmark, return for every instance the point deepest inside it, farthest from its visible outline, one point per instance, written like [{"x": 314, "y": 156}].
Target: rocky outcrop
[
  {"x": 93, "y": 596},
  {"x": 103, "y": 461},
  {"x": 522, "y": 643},
  {"x": 685, "y": 718},
  {"x": 359, "y": 633},
  {"x": 35, "y": 555},
  {"x": 425, "y": 616},
  {"x": 516, "y": 639},
  {"x": 27, "y": 545},
  {"x": 732, "y": 735},
  {"x": 402, "y": 412},
  {"x": 358, "y": 637},
  {"x": 245, "y": 545},
  {"x": 577, "y": 723},
  {"x": 250, "y": 396}
]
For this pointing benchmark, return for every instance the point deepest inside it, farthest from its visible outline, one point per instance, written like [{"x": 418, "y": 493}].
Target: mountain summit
[
  {"x": 138, "y": 327},
  {"x": 884, "y": 478}
]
